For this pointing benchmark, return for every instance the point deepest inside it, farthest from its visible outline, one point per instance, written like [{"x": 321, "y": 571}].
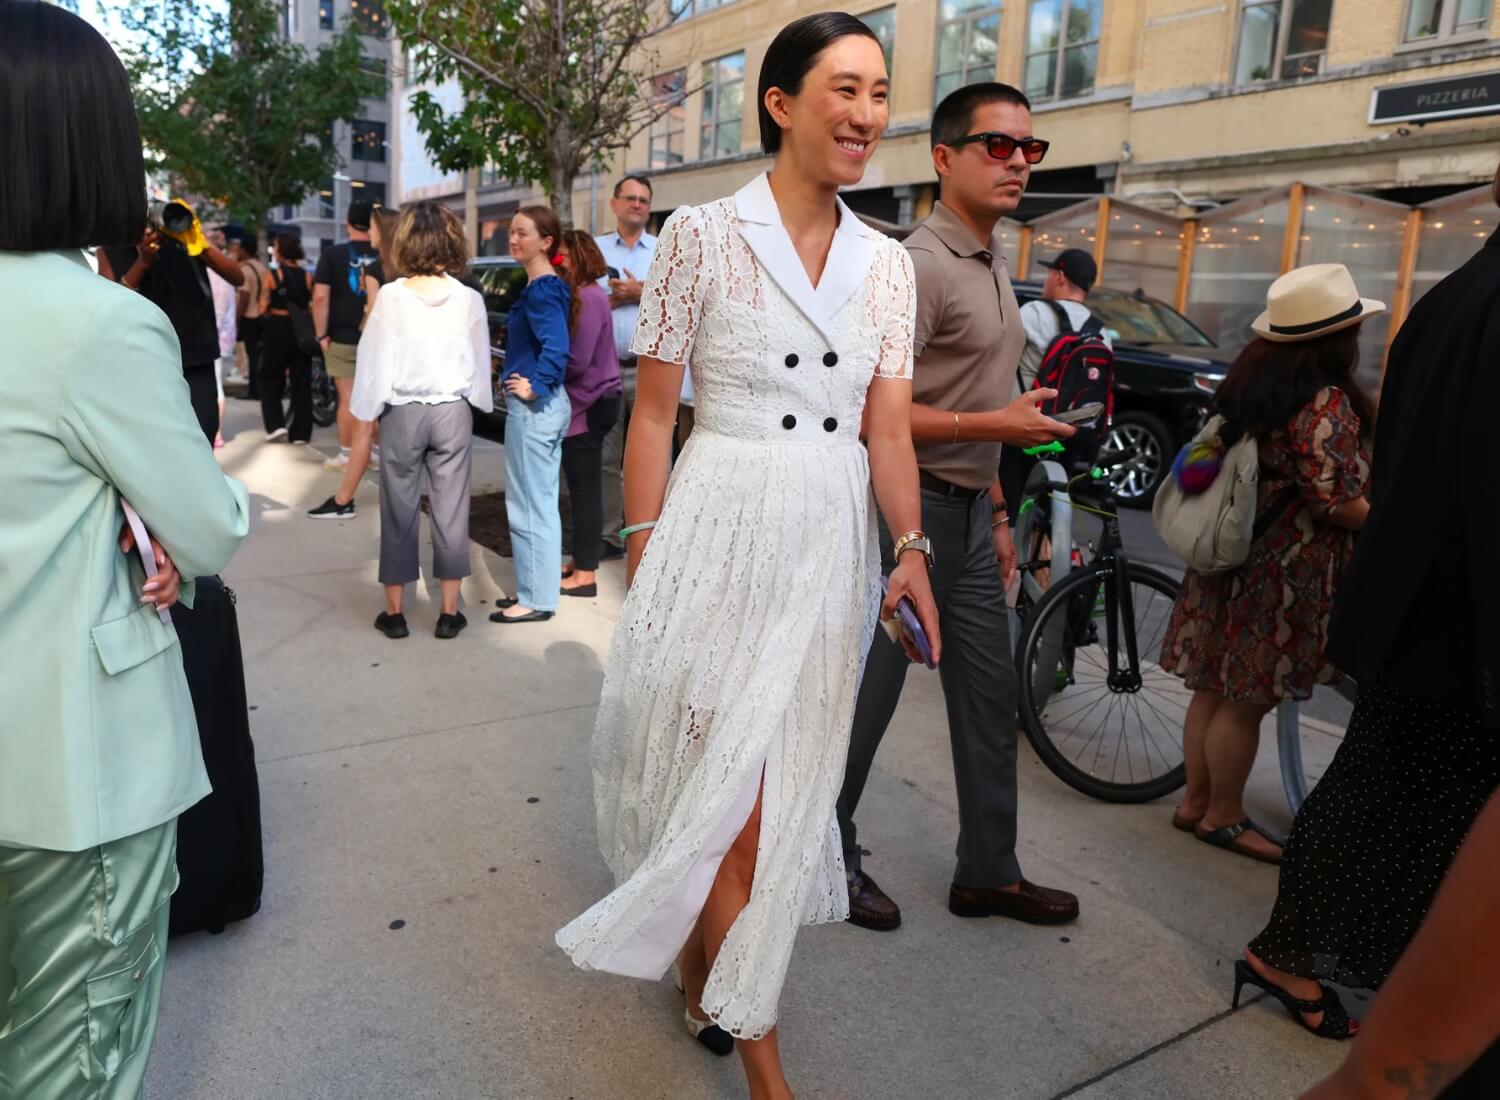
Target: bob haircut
[
  {"x": 429, "y": 240},
  {"x": 791, "y": 56},
  {"x": 73, "y": 174}
]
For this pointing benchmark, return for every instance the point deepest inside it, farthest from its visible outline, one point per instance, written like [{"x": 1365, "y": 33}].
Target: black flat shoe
[
  {"x": 392, "y": 626},
  {"x": 711, "y": 1035},
  {"x": 1336, "y": 1023},
  {"x": 612, "y": 552},
  {"x": 448, "y": 626},
  {"x": 529, "y": 617},
  {"x": 583, "y": 591},
  {"x": 506, "y": 601}
]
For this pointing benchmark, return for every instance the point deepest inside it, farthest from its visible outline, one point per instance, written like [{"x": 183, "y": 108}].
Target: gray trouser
[
  {"x": 612, "y": 487},
  {"x": 979, "y": 686},
  {"x": 435, "y": 438}
]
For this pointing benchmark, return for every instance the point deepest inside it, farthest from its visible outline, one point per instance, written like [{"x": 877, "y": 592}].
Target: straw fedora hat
[{"x": 1313, "y": 301}]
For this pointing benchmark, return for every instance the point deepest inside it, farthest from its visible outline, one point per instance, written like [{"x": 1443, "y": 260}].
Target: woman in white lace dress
[{"x": 727, "y": 704}]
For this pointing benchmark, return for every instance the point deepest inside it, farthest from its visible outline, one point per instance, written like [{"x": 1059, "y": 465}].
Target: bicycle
[{"x": 1100, "y": 712}]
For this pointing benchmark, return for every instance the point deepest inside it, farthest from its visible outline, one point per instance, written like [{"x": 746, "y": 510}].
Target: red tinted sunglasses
[{"x": 1003, "y": 146}]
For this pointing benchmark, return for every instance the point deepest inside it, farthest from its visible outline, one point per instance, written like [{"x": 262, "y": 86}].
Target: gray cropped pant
[{"x": 436, "y": 438}]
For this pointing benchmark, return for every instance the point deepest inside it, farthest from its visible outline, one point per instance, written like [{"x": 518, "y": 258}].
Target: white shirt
[
  {"x": 224, "y": 311},
  {"x": 426, "y": 349},
  {"x": 1041, "y": 328}
]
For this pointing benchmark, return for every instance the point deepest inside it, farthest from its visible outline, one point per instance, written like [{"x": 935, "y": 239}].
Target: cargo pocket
[
  {"x": 124, "y": 643},
  {"x": 118, "y": 1016}
]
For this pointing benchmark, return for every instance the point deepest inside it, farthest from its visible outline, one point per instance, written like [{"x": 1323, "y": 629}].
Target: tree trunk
[{"x": 562, "y": 170}]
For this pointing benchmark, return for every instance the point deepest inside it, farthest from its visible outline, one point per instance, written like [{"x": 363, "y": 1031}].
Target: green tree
[
  {"x": 233, "y": 112},
  {"x": 550, "y": 87}
]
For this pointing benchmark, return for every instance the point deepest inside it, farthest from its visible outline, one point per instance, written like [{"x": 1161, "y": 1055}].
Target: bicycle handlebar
[{"x": 1053, "y": 448}]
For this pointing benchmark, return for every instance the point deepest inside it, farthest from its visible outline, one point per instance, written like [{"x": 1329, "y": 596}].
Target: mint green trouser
[{"x": 83, "y": 941}]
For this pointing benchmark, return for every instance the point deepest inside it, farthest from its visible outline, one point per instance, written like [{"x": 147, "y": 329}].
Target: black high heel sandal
[{"x": 1336, "y": 1023}]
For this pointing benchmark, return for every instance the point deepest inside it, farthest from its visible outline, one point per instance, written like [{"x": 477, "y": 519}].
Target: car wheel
[{"x": 1137, "y": 453}]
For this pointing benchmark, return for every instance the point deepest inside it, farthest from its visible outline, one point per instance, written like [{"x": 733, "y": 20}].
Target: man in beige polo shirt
[{"x": 969, "y": 340}]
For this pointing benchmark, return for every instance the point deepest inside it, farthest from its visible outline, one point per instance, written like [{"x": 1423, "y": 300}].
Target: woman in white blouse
[
  {"x": 424, "y": 358},
  {"x": 724, "y": 724}
]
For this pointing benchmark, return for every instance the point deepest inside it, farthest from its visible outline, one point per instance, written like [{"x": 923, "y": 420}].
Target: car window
[
  {"x": 501, "y": 285},
  {"x": 1133, "y": 320}
]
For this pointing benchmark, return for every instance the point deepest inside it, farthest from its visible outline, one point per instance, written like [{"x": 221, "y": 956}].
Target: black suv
[
  {"x": 500, "y": 279},
  {"x": 1166, "y": 373}
]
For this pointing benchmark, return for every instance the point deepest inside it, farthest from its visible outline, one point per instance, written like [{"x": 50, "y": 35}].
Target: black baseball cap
[
  {"x": 359, "y": 214},
  {"x": 1077, "y": 265}
]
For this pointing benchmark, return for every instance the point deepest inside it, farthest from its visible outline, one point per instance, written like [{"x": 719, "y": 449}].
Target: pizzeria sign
[{"x": 1434, "y": 100}]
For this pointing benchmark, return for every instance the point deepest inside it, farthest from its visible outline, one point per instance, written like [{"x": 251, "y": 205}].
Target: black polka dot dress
[{"x": 1374, "y": 839}]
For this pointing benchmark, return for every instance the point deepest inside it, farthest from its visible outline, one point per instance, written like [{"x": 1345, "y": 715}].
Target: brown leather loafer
[
  {"x": 869, "y": 907},
  {"x": 1032, "y": 903}
]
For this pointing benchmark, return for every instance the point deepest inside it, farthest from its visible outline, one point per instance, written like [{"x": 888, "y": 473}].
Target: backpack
[
  {"x": 1080, "y": 366},
  {"x": 1212, "y": 530}
]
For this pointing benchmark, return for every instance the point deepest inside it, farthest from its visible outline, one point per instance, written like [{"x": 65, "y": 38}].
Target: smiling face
[
  {"x": 831, "y": 126},
  {"x": 526, "y": 244},
  {"x": 976, "y": 181}
]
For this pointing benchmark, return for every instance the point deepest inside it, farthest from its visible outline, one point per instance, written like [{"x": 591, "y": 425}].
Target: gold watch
[{"x": 915, "y": 540}]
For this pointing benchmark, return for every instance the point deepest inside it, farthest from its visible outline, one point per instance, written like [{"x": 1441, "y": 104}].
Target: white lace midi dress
[{"x": 739, "y": 649}]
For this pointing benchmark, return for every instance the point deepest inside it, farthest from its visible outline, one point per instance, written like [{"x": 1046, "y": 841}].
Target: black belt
[{"x": 934, "y": 484}]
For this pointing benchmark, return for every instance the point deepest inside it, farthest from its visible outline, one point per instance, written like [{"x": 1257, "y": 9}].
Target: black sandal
[
  {"x": 1336, "y": 1023},
  {"x": 1228, "y": 837}
]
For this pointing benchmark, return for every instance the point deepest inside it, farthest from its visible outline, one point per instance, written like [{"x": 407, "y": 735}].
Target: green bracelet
[{"x": 626, "y": 532}]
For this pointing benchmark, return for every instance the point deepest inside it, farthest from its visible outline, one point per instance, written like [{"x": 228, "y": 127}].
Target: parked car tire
[{"x": 1141, "y": 449}]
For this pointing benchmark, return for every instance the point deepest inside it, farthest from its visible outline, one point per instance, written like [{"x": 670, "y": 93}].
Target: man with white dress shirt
[{"x": 628, "y": 251}]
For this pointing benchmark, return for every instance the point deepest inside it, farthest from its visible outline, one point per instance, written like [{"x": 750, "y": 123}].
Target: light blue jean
[{"x": 534, "y": 433}]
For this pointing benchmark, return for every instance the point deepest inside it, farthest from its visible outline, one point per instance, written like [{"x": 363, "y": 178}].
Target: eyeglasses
[{"x": 1002, "y": 146}]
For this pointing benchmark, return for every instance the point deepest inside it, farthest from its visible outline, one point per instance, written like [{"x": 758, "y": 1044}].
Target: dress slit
[{"x": 654, "y": 946}]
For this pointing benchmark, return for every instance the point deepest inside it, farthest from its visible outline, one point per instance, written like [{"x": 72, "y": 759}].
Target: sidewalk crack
[
  {"x": 1203, "y": 1025},
  {"x": 261, "y": 762}
]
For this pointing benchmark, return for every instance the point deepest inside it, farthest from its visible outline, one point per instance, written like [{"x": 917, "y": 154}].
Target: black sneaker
[
  {"x": 392, "y": 626},
  {"x": 448, "y": 626},
  {"x": 332, "y": 509}
]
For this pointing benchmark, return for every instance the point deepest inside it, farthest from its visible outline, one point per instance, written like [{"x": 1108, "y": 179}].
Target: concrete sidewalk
[{"x": 429, "y": 823}]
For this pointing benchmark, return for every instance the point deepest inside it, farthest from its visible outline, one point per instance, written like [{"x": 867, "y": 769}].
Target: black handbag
[{"x": 304, "y": 332}]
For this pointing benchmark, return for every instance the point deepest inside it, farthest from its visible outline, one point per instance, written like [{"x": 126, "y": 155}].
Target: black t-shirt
[
  {"x": 342, "y": 269},
  {"x": 178, "y": 285}
]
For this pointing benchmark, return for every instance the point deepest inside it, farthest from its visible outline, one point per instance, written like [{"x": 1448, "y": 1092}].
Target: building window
[
  {"x": 1281, "y": 39},
  {"x": 1434, "y": 20},
  {"x": 686, "y": 9},
  {"x": 288, "y": 18},
  {"x": 968, "y": 44},
  {"x": 668, "y": 95},
  {"x": 325, "y": 14},
  {"x": 1062, "y": 48},
  {"x": 723, "y": 106},
  {"x": 370, "y": 191},
  {"x": 367, "y": 141},
  {"x": 883, "y": 23},
  {"x": 325, "y": 200},
  {"x": 369, "y": 16},
  {"x": 288, "y": 213}
]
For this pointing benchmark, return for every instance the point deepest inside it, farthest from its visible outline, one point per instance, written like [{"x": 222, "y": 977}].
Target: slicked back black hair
[
  {"x": 791, "y": 56},
  {"x": 71, "y": 170}
]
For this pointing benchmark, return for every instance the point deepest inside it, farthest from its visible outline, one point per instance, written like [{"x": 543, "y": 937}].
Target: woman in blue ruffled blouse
[{"x": 537, "y": 413}]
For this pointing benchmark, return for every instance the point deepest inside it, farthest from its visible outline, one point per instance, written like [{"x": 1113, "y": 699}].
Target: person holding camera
[{"x": 170, "y": 268}]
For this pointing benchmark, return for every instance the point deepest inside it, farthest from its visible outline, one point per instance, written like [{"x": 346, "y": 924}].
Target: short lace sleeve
[
  {"x": 894, "y": 298},
  {"x": 1330, "y": 468},
  {"x": 672, "y": 301}
]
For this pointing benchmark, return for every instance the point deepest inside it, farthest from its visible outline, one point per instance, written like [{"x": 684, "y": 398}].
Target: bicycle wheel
[{"x": 1113, "y": 734}]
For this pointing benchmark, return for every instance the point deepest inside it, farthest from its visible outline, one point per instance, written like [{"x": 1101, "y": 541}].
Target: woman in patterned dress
[
  {"x": 1250, "y": 638},
  {"x": 724, "y": 721}
]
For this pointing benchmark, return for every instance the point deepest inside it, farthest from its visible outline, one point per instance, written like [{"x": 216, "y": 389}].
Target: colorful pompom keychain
[{"x": 1198, "y": 465}]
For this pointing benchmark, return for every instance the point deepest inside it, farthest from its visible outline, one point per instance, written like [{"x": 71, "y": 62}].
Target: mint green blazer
[{"x": 97, "y": 736}]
